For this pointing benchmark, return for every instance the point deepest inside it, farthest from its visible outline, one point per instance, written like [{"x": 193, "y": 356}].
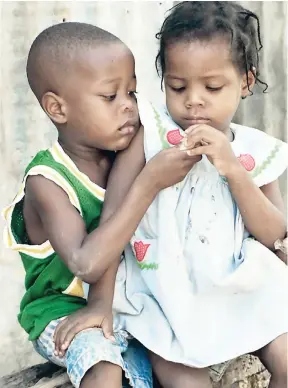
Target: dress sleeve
[
  {"x": 160, "y": 131},
  {"x": 262, "y": 155}
]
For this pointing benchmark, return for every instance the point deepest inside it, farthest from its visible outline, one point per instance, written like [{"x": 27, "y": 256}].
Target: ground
[{"x": 244, "y": 372}]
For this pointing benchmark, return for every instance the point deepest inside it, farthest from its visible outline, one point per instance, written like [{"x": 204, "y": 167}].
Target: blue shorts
[{"x": 90, "y": 347}]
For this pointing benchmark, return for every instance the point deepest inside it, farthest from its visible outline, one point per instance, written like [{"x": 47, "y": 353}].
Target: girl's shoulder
[
  {"x": 160, "y": 131},
  {"x": 263, "y": 156}
]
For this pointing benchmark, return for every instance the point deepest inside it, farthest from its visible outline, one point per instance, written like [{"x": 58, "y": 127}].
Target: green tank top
[{"x": 52, "y": 291}]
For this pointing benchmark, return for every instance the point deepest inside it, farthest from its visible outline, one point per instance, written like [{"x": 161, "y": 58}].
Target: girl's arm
[{"x": 261, "y": 208}]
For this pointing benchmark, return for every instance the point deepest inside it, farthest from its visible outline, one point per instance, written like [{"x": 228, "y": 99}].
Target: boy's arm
[
  {"x": 126, "y": 168},
  {"x": 89, "y": 255}
]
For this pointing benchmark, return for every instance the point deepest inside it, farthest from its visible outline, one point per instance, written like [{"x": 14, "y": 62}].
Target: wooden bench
[{"x": 243, "y": 372}]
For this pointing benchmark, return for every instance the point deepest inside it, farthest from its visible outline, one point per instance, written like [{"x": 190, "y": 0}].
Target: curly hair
[{"x": 204, "y": 20}]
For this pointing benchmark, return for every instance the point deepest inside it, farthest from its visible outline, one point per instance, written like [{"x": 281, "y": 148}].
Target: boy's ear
[
  {"x": 55, "y": 107},
  {"x": 248, "y": 82}
]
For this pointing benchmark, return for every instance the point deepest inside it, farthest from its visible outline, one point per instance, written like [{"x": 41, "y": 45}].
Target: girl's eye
[
  {"x": 132, "y": 93},
  {"x": 214, "y": 89},
  {"x": 178, "y": 90}
]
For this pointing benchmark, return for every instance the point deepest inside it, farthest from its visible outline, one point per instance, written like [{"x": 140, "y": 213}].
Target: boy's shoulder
[{"x": 42, "y": 156}]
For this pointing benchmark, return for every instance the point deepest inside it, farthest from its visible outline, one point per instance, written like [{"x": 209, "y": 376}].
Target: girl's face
[{"x": 202, "y": 84}]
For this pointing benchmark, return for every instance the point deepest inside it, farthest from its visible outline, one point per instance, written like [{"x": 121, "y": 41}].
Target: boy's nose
[{"x": 128, "y": 105}]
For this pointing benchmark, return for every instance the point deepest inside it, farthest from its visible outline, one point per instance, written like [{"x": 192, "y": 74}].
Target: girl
[
  {"x": 203, "y": 285},
  {"x": 202, "y": 289}
]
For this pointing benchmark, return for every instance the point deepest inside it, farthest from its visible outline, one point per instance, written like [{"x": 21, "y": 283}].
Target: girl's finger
[
  {"x": 192, "y": 128},
  {"x": 203, "y": 150},
  {"x": 204, "y": 143}
]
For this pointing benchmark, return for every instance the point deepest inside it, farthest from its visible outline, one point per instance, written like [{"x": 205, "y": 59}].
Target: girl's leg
[
  {"x": 103, "y": 375},
  {"x": 172, "y": 375},
  {"x": 274, "y": 358}
]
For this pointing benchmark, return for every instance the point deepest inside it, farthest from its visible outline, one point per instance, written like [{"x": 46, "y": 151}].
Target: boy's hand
[
  {"x": 94, "y": 315},
  {"x": 205, "y": 140},
  {"x": 169, "y": 167}
]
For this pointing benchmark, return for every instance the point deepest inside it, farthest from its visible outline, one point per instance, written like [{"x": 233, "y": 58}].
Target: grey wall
[{"x": 24, "y": 129}]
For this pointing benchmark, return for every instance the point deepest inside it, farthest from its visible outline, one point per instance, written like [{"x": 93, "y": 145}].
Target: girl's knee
[
  {"x": 172, "y": 375},
  {"x": 274, "y": 358},
  {"x": 280, "y": 375}
]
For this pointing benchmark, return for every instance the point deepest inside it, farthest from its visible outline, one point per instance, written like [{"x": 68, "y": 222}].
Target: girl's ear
[{"x": 248, "y": 82}]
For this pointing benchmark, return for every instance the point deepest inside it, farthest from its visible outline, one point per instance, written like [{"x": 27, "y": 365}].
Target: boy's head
[
  {"x": 84, "y": 79},
  {"x": 208, "y": 60}
]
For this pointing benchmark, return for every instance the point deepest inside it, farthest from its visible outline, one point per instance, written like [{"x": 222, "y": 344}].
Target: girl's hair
[{"x": 204, "y": 20}]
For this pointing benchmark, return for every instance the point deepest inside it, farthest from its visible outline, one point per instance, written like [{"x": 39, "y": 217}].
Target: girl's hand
[{"x": 205, "y": 140}]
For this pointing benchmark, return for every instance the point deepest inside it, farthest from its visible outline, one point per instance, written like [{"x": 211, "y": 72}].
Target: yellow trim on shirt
[
  {"x": 44, "y": 250},
  {"x": 60, "y": 156}
]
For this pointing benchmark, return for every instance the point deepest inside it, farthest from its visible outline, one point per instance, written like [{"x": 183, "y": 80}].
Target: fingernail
[
  {"x": 56, "y": 353},
  {"x": 183, "y": 144}
]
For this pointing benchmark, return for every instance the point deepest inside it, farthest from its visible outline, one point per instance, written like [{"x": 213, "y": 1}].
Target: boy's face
[
  {"x": 202, "y": 84},
  {"x": 100, "y": 103}
]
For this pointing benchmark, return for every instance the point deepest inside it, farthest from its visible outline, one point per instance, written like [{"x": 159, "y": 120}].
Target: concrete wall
[{"x": 24, "y": 129}]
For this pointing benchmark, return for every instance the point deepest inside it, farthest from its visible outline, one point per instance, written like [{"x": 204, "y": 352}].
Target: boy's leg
[
  {"x": 103, "y": 374},
  {"x": 274, "y": 358},
  {"x": 91, "y": 359},
  {"x": 172, "y": 375},
  {"x": 94, "y": 361},
  {"x": 136, "y": 365},
  {"x": 138, "y": 369}
]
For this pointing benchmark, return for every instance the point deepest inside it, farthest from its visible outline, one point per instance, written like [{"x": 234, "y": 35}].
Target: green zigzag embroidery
[
  {"x": 258, "y": 170},
  {"x": 162, "y": 130},
  {"x": 152, "y": 266}
]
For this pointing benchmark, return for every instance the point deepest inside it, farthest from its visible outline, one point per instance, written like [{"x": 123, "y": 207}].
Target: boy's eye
[
  {"x": 110, "y": 98},
  {"x": 132, "y": 93},
  {"x": 214, "y": 89}
]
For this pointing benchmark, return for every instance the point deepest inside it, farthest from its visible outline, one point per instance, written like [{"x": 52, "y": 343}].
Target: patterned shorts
[{"x": 90, "y": 347}]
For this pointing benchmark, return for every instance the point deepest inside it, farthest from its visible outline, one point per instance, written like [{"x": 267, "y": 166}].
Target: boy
[{"x": 84, "y": 79}]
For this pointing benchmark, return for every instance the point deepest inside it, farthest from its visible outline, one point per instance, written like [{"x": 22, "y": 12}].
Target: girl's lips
[{"x": 196, "y": 120}]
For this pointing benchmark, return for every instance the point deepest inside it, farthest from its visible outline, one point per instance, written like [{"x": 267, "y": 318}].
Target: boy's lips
[
  {"x": 129, "y": 127},
  {"x": 129, "y": 130}
]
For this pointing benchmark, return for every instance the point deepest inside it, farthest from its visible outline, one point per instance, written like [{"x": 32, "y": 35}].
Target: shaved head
[{"x": 55, "y": 51}]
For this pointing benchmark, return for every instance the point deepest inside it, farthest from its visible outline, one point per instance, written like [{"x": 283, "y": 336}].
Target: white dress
[{"x": 198, "y": 290}]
